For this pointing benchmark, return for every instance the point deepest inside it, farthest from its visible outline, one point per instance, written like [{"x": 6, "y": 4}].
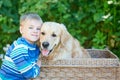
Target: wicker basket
[{"x": 103, "y": 65}]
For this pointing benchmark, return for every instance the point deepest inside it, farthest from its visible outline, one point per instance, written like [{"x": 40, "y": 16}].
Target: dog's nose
[{"x": 45, "y": 44}]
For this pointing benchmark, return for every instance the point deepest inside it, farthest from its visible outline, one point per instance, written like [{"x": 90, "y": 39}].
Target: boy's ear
[{"x": 20, "y": 29}]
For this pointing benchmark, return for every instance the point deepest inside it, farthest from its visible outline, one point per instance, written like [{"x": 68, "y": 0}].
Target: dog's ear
[{"x": 65, "y": 35}]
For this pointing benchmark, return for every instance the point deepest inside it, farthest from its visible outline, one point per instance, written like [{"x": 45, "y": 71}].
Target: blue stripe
[
  {"x": 10, "y": 64},
  {"x": 23, "y": 59},
  {"x": 18, "y": 51},
  {"x": 20, "y": 56},
  {"x": 9, "y": 69}
]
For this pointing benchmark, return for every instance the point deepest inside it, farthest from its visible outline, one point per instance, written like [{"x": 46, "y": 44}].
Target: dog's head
[{"x": 52, "y": 35}]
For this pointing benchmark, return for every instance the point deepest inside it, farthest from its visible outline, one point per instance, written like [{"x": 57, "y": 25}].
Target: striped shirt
[{"x": 20, "y": 61}]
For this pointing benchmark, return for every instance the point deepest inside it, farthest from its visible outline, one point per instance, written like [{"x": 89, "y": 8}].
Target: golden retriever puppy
[{"x": 56, "y": 43}]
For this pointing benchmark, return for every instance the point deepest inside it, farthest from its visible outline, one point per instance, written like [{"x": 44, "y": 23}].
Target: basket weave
[{"x": 103, "y": 65}]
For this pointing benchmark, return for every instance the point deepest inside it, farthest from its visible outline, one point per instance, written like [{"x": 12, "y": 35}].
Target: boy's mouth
[{"x": 34, "y": 35}]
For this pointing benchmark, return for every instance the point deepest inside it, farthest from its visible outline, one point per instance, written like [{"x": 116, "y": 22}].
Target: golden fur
[{"x": 56, "y": 43}]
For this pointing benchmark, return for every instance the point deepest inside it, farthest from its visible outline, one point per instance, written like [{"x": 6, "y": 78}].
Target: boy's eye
[{"x": 30, "y": 27}]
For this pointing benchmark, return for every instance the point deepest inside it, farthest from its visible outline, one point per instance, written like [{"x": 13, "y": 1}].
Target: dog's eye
[
  {"x": 54, "y": 35},
  {"x": 42, "y": 33}
]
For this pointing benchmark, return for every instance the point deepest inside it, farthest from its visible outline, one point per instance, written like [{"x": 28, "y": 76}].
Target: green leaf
[
  {"x": 98, "y": 17},
  {"x": 7, "y": 3}
]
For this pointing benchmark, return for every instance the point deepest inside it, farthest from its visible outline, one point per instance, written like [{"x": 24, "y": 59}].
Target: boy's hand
[{"x": 39, "y": 63}]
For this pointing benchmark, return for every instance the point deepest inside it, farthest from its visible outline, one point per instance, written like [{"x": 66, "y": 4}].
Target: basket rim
[
  {"x": 84, "y": 63},
  {"x": 105, "y": 50}
]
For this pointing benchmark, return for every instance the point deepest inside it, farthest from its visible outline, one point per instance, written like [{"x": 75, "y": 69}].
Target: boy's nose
[{"x": 35, "y": 30}]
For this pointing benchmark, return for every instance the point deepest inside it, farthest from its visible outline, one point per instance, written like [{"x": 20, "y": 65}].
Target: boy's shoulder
[
  {"x": 17, "y": 45},
  {"x": 20, "y": 46}
]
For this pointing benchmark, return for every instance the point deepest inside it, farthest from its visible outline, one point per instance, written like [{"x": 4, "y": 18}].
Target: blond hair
[{"x": 29, "y": 16}]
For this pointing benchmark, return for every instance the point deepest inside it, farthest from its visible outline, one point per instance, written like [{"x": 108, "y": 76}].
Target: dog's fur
[{"x": 56, "y": 43}]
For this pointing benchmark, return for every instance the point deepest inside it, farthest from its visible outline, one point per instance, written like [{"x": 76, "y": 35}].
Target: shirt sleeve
[{"x": 23, "y": 63}]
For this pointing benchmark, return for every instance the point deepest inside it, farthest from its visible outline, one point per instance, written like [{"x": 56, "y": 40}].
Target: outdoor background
[{"x": 95, "y": 23}]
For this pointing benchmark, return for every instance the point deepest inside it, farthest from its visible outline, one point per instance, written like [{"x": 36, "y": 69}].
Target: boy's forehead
[{"x": 31, "y": 22}]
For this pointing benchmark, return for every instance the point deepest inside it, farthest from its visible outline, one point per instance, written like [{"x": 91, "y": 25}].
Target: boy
[{"x": 20, "y": 59}]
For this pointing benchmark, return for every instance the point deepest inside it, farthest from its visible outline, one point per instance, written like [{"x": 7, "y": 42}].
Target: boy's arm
[
  {"x": 39, "y": 63},
  {"x": 23, "y": 63}
]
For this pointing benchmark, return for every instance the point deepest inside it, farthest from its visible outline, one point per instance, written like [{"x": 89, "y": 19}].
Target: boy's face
[{"x": 30, "y": 30}]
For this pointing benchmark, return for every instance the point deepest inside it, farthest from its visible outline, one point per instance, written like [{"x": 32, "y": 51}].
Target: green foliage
[
  {"x": 9, "y": 19},
  {"x": 95, "y": 23},
  {"x": 99, "y": 40}
]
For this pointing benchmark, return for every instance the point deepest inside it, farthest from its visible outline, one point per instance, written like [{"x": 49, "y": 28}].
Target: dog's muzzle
[
  {"x": 45, "y": 44},
  {"x": 44, "y": 50}
]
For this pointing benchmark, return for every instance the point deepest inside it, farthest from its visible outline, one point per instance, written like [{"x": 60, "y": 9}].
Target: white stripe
[
  {"x": 26, "y": 47},
  {"x": 11, "y": 70},
  {"x": 15, "y": 43},
  {"x": 8, "y": 58},
  {"x": 27, "y": 68},
  {"x": 21, "y": 45},
  {"x": 18, "y": 52},
  {"x": 31, "y": 48},
  {"x": 19, "y": 57},
  {"x": 10, "y": 64}
]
